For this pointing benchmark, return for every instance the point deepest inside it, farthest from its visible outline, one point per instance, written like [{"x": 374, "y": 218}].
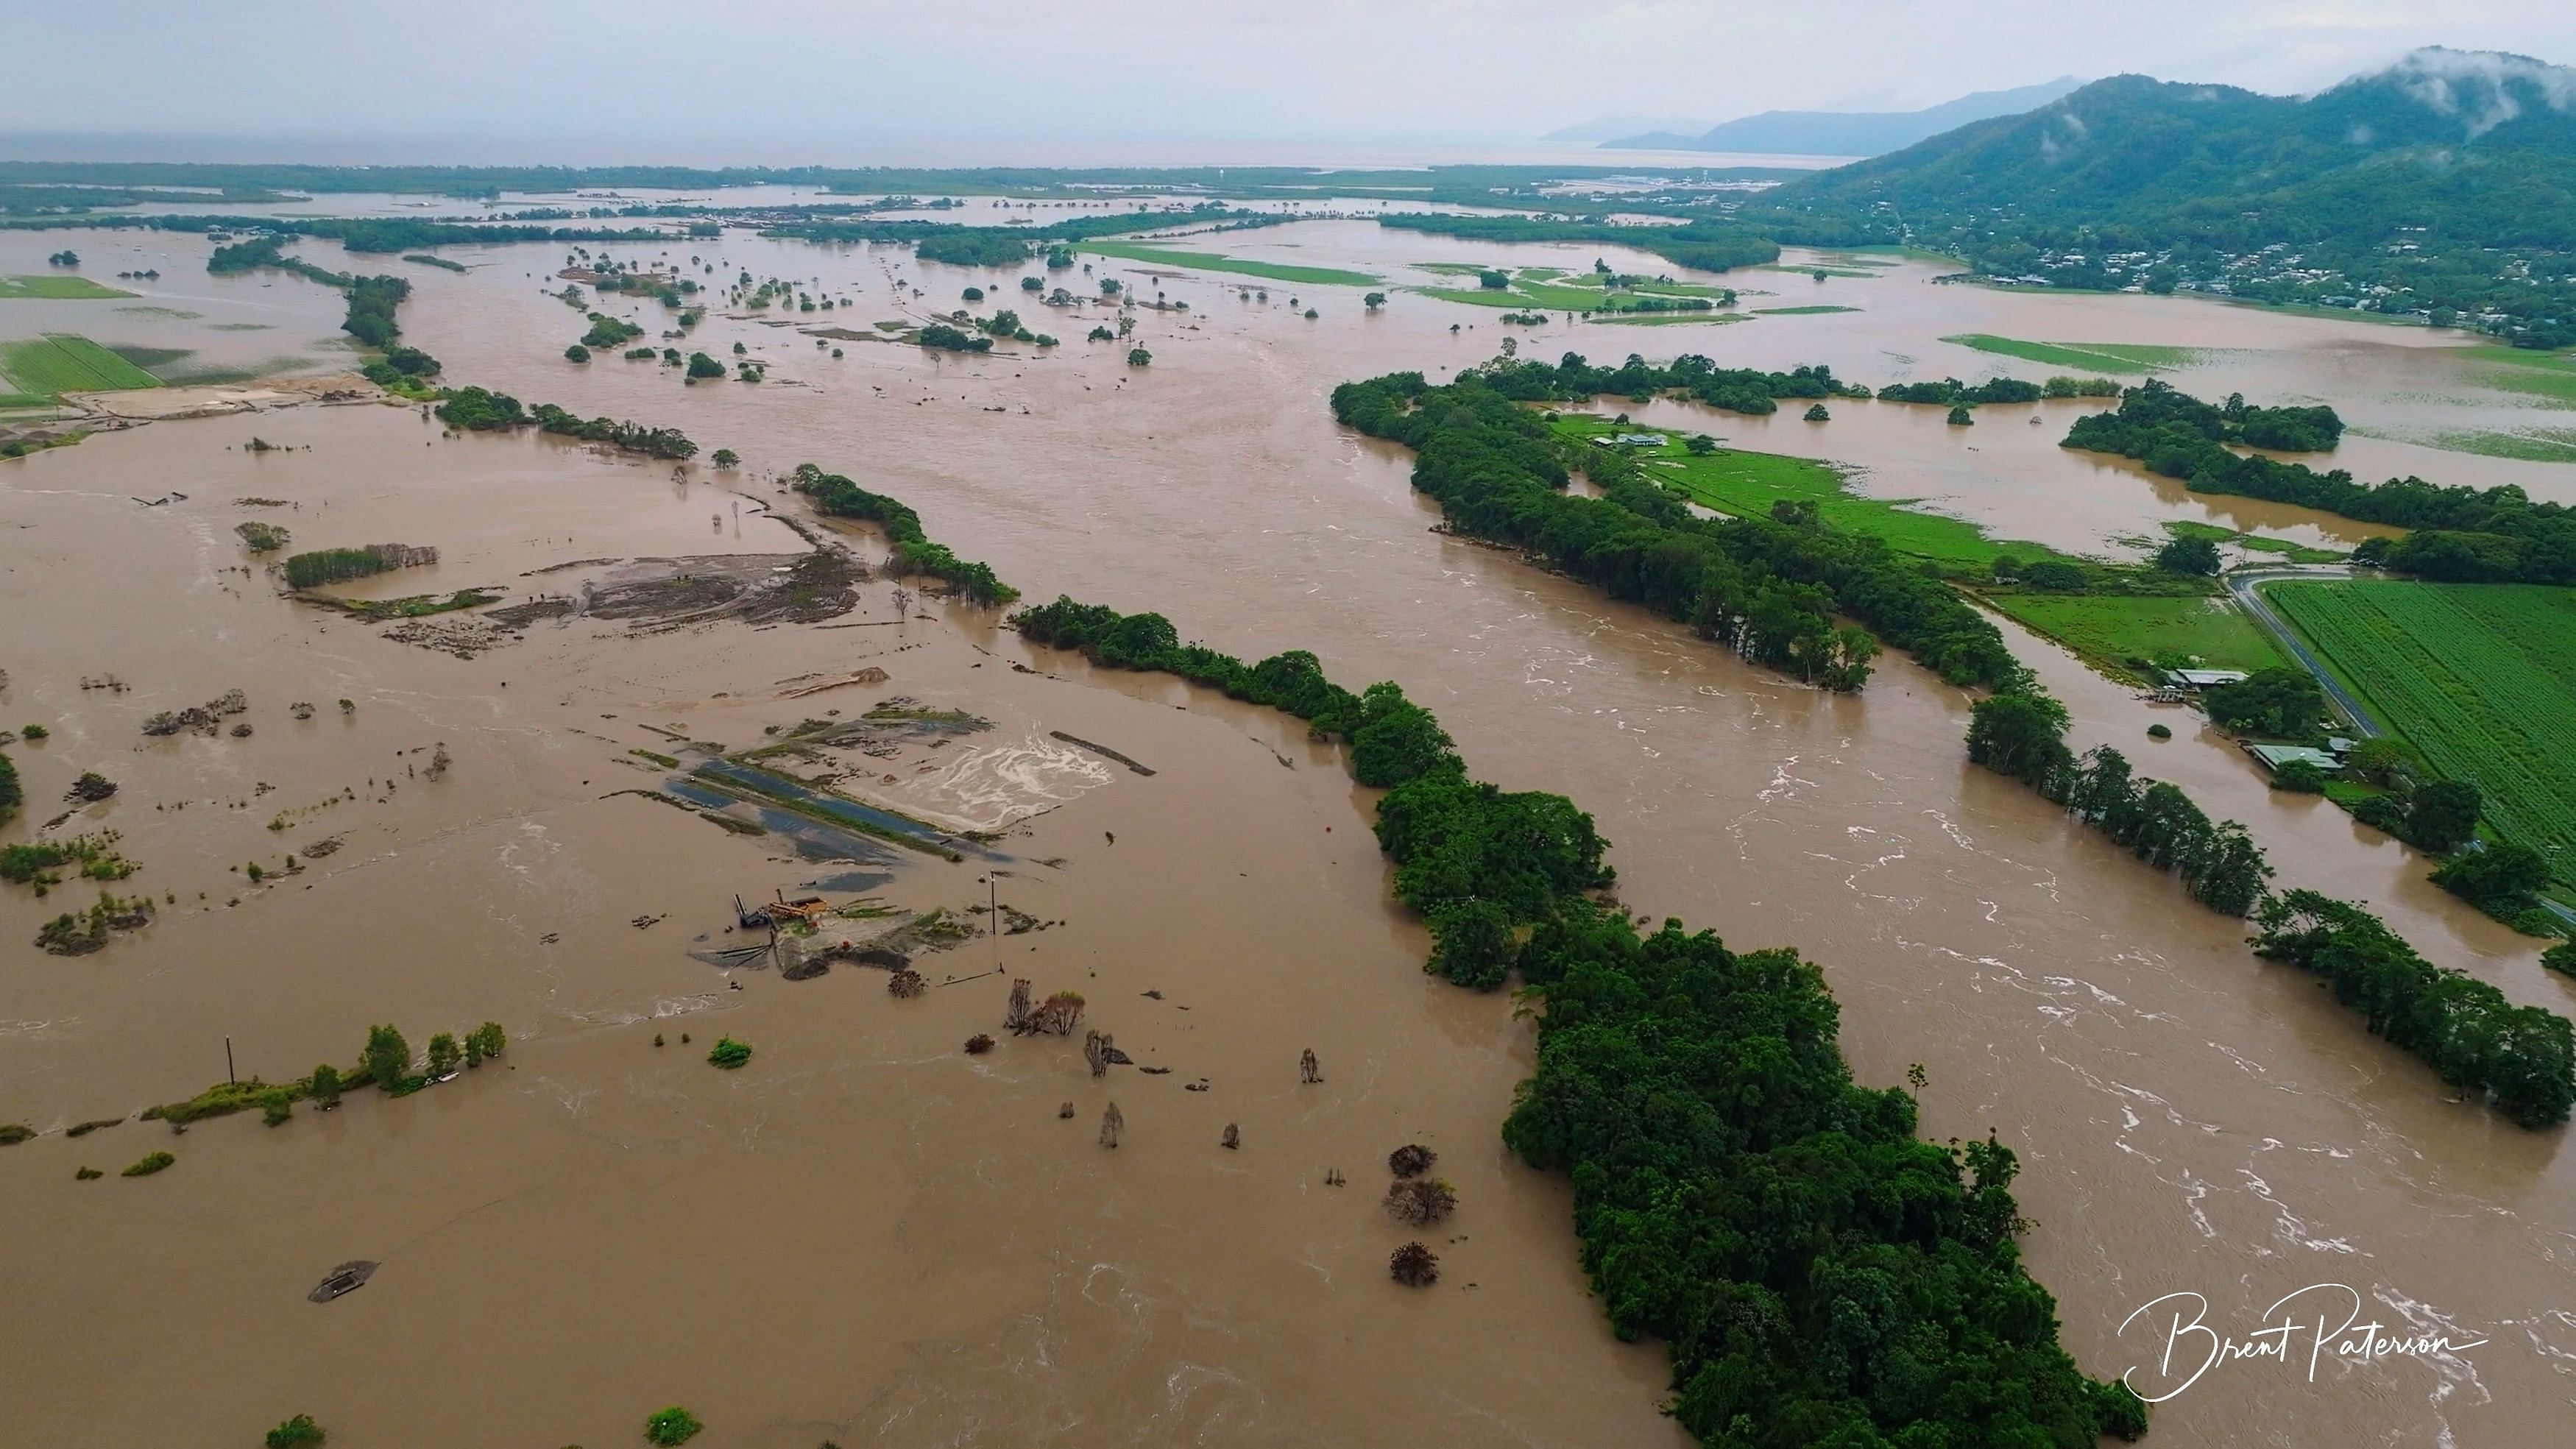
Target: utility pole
[{"x": 229, "y": 1078}]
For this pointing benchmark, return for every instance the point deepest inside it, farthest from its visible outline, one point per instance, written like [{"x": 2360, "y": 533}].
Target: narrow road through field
[{"x": 2242, "y": 585}]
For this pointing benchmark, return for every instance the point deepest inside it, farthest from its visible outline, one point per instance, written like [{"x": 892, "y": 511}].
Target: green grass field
[
  {"x": 2531, "y": 445},
  {"x": 2516, "y": 369},
  {"x": 61, "y": 287},
  {"x": 2098, "y": 356},
  {"x": 62, "y": 362},
  {"x": 2480, "y": 678},
  {"x": 1549, "y": 289},
  {"x": 1212, "y": 262},
  {"x": 2289, "y": 550},
  {"x": 1733, "y": 481},
  {"x": 1670, "y": 319},
  {"x": 2109, "y": 628}
]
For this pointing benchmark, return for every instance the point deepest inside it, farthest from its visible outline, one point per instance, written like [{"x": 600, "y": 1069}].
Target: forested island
[{"x": 2458, "y": 533}]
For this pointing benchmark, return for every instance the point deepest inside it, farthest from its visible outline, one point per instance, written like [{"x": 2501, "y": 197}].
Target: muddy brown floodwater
[{"x": 869, "y": 1236}]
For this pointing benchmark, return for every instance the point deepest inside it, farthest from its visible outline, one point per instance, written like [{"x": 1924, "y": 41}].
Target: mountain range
[
  {"x": 1603, "y": 128},
  {"x": 2444, "y": 185},
  {"x": 1844, "y": 133}
]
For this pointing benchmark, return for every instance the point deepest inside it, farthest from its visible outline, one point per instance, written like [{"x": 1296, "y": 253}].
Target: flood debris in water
[
  {"x": 1103, "y": 751},
  {"x": 348, "y": 1278}
]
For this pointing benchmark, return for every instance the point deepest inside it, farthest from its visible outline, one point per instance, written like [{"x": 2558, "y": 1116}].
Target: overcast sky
[{"x": 997, "y": 81}]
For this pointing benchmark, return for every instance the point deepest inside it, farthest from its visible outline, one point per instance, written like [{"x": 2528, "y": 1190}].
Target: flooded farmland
[{"x": 870, "y": 1235}]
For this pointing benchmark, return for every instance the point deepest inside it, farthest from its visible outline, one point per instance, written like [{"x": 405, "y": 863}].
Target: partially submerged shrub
[
  {"x": 296, "y": 1433},
  {"x": 150, "y": 1164},
  {"x": 728, "y": 1054},
  {"x": 1411, "y": 1160},
  {"x": 673, "y": 1425},
  {"x": 978, "y": 1044},
  {"x": 906, "y": 984}
]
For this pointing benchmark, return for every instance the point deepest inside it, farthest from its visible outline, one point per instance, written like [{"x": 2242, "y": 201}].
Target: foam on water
[{"x": 999, "y": 785}]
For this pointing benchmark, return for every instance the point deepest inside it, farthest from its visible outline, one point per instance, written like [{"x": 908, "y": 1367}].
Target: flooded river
[{"x": 867, "y": 1235}]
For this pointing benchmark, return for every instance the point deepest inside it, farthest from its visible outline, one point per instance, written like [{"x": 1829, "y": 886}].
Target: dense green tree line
[
  {"x": 481, "y": 410},
  {"x": 2020, "y": 730},
  {"x": 2458, "y": 534},
  {"x": 1004, "y": 246},
  {"x": 372, "y": 301},
  {"x": 2282, "y": 702},
  {"x": 12, "y": 794},
  {"x": 1770, "y": 588},
  {"x": 1820, "y": 1275},
  {"x": 607, "y": 332},
  {"x": 1950, "y": 392},
  {"x": 334, "y": 565},
  {"x": 2522, "y": 1058},
  {"x": 941, "y": 337},
  {"x": 2156, "y": 414},
  {"x": 1732, "y": 389},
  {"x": 668, "y": 443},
  {"x": 1710, "y": 245},
  {"x": 913, "y": 549},
  {"x": 358, "y": 234}
]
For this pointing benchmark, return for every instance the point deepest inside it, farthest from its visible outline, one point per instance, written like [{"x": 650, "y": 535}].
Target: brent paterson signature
[{"x": 2315, "y": 1324}]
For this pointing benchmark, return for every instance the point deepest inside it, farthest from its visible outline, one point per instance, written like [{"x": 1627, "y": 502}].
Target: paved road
[{"x": 2242, "y": 585}]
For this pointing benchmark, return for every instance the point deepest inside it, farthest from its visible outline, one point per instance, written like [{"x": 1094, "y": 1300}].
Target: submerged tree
[
  {"x": 1421, "y": 1201},
  {"x": 978, "y": 1044},
  {"x": 386, "y": 1056},
  {"x": 1015, "y": 1017},
  {"x": 1414, "y": 1266},
  {"x": 1411, "y": 1160},
  {"x": 1058, "y": 1015},
  {"x": 1309, "y": 1070},
  {"x": 1096, "y": 1048},
  {"x": 1231, "y": 1139},
  {"x": 906, "y": 984},
  {"x": 444, "y": 1054},
  {"x": 1112, "y": 1123}
]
